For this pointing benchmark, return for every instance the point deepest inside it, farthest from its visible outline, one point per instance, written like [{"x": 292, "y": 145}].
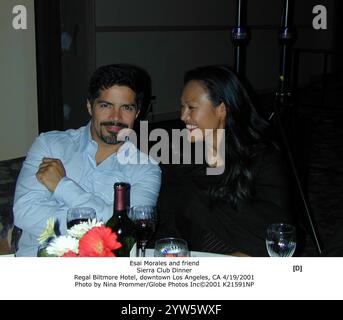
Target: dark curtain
[
  {"x": 49, "y": 71},
  {"x": 338, "y": 29}
]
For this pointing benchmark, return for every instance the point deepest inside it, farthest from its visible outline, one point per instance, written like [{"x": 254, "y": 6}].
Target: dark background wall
[
  {"x": 18, "y": 86},
  {"x": 169, "y": 37}
]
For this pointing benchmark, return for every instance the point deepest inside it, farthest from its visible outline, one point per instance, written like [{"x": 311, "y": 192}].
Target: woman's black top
[{"x": 186, "y": 210}]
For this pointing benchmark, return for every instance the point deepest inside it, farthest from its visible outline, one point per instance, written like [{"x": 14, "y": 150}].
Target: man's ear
[{"x": 89, "y": 107}]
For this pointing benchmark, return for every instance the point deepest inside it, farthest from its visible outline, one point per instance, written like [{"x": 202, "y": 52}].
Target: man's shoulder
[
  {"x": 136, "y": 161},
  {"x": 62, "y": 137},
  {"x": 136, "y": 155},
  {"x": 146, "y": 158}
]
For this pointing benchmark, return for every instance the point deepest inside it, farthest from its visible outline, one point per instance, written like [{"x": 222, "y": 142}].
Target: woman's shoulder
[
  {"x": 262, "y": 153},
  {"x": 265, "y": 156},
  {"x": 269, "y": 162}
]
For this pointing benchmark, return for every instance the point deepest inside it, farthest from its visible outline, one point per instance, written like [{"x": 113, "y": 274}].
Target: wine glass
[
  {"x": 171, "y": 247},
  {"x": 281, "y": 240},
  {"x": 144, "y": 219},
  {"x": 79, "y": 214}
]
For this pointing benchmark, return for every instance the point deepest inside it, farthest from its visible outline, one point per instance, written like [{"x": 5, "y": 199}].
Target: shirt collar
[{"x": 88, "y": 135}]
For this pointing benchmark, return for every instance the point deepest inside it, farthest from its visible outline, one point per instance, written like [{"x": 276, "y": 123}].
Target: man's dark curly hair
[{"x": 127, "y": 75}]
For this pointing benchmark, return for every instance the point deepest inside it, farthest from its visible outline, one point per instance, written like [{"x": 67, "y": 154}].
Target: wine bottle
[{"x": 120, "y": 223}]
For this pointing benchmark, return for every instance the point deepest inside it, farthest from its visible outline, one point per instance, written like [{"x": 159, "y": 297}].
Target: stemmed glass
[
  {"x": 171, "y": 247},
  {"x": 79, "y": 214},
  {"x": 144, "y": 219},
  {"x": 281, "y": 240}
]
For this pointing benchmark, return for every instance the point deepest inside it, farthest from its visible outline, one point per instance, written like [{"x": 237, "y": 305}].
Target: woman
[{"x": 226, "y": 213}]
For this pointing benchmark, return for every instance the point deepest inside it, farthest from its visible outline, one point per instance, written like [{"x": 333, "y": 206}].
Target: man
[{"x": 77, "y": 168}]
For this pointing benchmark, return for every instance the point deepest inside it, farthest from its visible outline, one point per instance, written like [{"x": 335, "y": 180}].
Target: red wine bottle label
[
  {"x": 120, "y": 204},
  {"x": 122, "y": 194}
]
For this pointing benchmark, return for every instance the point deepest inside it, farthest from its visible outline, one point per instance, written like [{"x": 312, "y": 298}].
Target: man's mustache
[{"x": 114, "y": 124}]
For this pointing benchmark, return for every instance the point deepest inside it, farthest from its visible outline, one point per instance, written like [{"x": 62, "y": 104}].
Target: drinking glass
[
  {"x": 144, "y": 219},
  {"x": 171, "y": 247},
  {"x": 79, "y": 214},
  {"x": 281, "y": 240}
]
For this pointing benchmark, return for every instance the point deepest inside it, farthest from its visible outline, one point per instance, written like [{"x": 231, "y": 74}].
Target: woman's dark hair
[
  {"x": 136, "y": 78},
  {"x": 245, "y": 131}
]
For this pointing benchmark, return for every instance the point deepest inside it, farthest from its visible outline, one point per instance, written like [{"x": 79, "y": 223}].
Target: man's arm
[
  {"x": 145, "y": 186},
  {"x": 33, "y": 203}
]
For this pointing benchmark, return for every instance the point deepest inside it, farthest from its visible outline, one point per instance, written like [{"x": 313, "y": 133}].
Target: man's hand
[{"x": 50, "y": 173}]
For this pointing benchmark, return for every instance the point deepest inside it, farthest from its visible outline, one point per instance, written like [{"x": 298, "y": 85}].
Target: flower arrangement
[{"x": 87, "y": 239}]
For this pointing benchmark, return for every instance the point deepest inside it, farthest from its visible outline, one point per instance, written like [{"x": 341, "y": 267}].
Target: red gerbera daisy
[
  {"x": 70, "y": 254},
  {"x": 98, "y": 242}
]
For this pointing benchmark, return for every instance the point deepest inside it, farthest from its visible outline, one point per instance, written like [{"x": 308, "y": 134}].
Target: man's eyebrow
[
  {"x": 133, "y": 104},
  {"x": 104, "y": 101}
]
